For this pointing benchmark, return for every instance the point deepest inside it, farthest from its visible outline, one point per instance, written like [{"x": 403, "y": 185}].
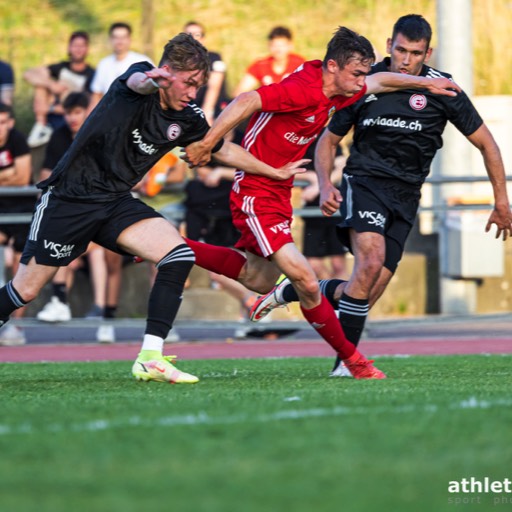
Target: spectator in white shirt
[{"x": 115, "y": 64}]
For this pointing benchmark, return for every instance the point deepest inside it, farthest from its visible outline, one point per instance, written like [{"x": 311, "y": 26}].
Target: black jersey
[
  {"x": 396, "y": 135},
  {"x": 124, "y": 136}
]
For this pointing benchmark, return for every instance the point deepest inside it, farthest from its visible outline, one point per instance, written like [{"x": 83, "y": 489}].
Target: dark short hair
[
  {"x": 193, "y": 22},
  {"x": 414, "y": 27},
  {"x": 119, "y": 24},
  {"x": 75, "y": 99},
  {"x": 184, "y": 53},
  {"x": 280, "y": 32},
  {"x": 346, "y": 45},
  {"x": 79, "y": 34},
  {"x": 6, "y": 108}
]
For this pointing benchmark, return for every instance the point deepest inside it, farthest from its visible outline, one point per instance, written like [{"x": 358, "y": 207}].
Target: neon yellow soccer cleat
[{"x": 151, "y": 365}]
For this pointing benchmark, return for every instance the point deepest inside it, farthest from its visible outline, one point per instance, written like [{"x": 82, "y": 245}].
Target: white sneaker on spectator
[
  {"x": 55, "y": 311},
  {"x": 173, "y": 336},
  {"x": 106, "y": 334},
  {"x": 12, "y": 335},
  {"x": 39, "y": 135}
]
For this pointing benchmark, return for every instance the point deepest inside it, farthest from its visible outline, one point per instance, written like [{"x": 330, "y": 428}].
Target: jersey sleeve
[
  {"x": 139, "y": 67},
  {"x": 217, "y": 64},
  {"x": 55, "y": 69},
  {"x": 284, "y": 97},
  {"x": 463, "y": 114},
  {"x": 344, "y": 119}
]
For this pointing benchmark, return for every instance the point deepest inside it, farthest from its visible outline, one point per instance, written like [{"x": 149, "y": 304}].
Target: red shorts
[{"x": 263, "y": 219}]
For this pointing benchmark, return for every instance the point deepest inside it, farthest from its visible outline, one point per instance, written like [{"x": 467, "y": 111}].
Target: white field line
[{"x": 203, "y": 418}]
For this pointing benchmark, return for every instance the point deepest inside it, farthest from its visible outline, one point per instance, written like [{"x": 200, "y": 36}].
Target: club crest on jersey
[
  {"x": 418, "y": 101},
  {"x": 331, "y": 112},
  {"x": 174, "y": 131}
]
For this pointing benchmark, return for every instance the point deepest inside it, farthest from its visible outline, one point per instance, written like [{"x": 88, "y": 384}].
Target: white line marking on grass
[{"x": 203, "y": 418}]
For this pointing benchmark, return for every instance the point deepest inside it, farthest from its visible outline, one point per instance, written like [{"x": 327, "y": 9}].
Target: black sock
[
  {"x": 166, "y": 294},
  {"x": 10, "y": 300},
  {"x": 327, "y": 287},
  {"x": 59, "y": 291},
  {"x": 352, "y": 315},
  {"x": 109, "y": 311}
]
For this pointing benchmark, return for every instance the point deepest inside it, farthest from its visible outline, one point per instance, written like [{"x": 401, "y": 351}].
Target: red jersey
[
  {"x": 294, "y": 113},
  {"x": 263, "y": 72}
]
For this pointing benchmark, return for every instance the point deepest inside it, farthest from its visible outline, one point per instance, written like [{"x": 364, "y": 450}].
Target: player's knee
[
  {"x": 175, "y": 266},
  {"x": 27, "y": 292},
  {"x": 307, "y": 285}
]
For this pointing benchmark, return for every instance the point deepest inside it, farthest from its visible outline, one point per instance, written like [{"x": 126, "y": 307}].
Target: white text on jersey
[
  {"x": 395, "y": 123},
  {"x": 297, "y": 139},
  {"x": 137, "y": 139}
]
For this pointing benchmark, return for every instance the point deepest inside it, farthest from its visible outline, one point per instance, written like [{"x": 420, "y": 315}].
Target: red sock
[
  {"x": 220, "y": 260},
  {"x": 323, "y": 319}
]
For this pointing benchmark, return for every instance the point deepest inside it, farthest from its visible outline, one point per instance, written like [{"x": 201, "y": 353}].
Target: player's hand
[
  {"x": 330, "y": 200},
  {"x": 443, "y": 87},
  {"x": 291, "y": 169},
  {"x": 196, "y": 154},
  {"x": 161, "y": 76},
  {"x": 502, "y": 217}
]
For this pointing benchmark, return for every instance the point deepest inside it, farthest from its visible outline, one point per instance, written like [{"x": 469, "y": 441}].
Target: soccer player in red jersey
[{"x": 286, "y": 118}]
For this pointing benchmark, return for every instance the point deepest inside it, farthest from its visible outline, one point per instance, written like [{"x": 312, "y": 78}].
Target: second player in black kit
[
  {"x": 396, "y": 136},
  {"x": 146, "y": 112}
]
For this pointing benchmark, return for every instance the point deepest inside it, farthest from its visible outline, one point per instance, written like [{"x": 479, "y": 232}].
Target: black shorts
[
  {"x": 379, "y": 205},
  {"x": 17, "y": 232},
  {"x": 61, "y": 230},
  {"x": 319, "y": 238}
]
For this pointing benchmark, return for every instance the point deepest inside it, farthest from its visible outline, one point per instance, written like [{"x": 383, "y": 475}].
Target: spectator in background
[
  {"x": 15, "y": 171},
  {"x": 115, "y": 64},
  {"x": 53, "y": 83},
  {"x": 276, "y": 66},
  {"x": 213, "y": 97},
  {"x": 6, "y": 83}
]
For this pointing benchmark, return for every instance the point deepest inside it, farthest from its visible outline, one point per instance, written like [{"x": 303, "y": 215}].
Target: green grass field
[{"x": 254, "y": 435}]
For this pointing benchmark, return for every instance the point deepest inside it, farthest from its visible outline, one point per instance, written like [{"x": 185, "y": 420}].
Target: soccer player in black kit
[
  {"x": 396, "y": 136},
  {"x": 146, "y": 112}
]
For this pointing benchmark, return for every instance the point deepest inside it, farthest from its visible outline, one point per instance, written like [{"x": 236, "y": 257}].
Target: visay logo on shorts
[
  {"x": 58, "y": 250},
  {"x": 376, "y": 219},
  {"x": 282, "y": 226}
]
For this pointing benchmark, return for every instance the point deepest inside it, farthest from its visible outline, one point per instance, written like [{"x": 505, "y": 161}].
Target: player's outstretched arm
[
  {"x": 501, "y": 215},
  {"x": 235, "y": 156},
  {"x": 243, "y": 106},
  {"x": 389, "y": 82}
]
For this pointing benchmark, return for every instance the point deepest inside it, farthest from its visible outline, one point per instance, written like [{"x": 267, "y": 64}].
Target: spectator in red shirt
[{"x": 276, "y": 66}]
